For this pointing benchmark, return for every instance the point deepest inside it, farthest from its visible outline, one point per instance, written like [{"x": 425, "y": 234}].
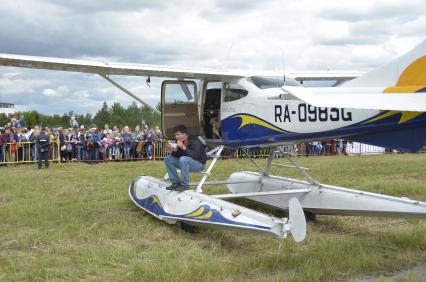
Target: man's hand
[{"x": 181, "y": 145}]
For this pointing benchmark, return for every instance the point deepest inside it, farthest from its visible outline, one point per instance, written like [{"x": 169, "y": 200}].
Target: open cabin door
[
  {"x": 212, "y": 91},
  {"x": 179, "y": 106}
]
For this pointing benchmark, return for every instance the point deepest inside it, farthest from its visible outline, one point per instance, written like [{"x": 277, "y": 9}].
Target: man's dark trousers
[{"x": 43, "y": 156}]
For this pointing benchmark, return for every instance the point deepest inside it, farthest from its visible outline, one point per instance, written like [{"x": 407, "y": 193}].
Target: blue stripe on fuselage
[{"x": 253, "y": 134}]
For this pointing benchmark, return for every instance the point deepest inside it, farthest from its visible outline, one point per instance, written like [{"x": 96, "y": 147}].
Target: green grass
[{"x": 76, "y": 222}]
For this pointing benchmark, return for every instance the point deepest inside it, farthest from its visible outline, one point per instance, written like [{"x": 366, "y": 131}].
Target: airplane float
[{"x": 385, "y": 107}]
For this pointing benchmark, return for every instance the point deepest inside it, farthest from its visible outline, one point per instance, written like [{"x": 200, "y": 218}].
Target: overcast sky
[{"x": 272, "y": 35}]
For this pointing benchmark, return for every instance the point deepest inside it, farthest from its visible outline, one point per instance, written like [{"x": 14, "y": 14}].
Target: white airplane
[{"x": 385, "y": 107}]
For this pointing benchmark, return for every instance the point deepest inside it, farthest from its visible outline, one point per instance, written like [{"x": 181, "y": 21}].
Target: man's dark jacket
[
  {"x": 42, "y": 142},
  {"x": 195, "y": 150}
]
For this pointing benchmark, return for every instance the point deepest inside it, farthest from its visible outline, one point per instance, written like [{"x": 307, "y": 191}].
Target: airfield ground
[{"x": 76, "y": 222}]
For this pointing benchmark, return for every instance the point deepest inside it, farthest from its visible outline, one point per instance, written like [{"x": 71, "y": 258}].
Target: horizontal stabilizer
[{"x": 365, "y": 98}]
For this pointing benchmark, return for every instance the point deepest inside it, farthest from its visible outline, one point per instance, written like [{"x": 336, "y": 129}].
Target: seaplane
[{"x": 384, "y": 107}]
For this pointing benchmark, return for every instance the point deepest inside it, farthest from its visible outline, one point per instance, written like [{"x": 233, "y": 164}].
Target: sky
[{"x": 275, "y": 35}]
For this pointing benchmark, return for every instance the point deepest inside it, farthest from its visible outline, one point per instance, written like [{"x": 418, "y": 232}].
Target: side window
[
  {"x": 179, "y": 92},
  {"x": 233, "y": 92}
]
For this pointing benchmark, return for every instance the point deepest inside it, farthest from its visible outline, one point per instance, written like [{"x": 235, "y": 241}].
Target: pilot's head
[{"x": 181, "y": 133}]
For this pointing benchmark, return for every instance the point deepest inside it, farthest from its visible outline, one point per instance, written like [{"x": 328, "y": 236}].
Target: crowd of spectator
[
  {"x": 317, "y": 148},
  {"x": 10, "y": 136},
  {"x": 76, "y": 143},
  {"x": 95, "y": 144},
  {"x": 326, "y": 147}
]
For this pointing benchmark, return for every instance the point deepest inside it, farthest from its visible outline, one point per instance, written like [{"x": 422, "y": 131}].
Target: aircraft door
[
  {"x": 179, "y": 106},
  {"x": 211, "y": 109}
]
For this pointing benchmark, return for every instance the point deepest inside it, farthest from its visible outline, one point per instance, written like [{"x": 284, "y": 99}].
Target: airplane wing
[
  {"x": 367, "y": 98},
  {"x": 107, "y": 68},
  {"x": 113, "y": 68}
]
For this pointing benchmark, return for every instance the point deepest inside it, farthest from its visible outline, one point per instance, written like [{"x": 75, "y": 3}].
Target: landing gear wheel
[{"x": 310, "y": 216}]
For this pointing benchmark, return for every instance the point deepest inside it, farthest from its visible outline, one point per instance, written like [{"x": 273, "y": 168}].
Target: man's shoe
[
  {"x": 173, "y": 186},
  {"x": 181, "y": 188}
]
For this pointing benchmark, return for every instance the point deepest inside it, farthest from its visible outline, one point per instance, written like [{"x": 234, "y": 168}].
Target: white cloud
[
  {"x": 50, "y": 92},
  {"x": 11, "y": 75},
  {"x": 17, "y": 86}
]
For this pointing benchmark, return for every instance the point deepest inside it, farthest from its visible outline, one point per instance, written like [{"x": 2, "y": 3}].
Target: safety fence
[{"x": 26, "y": 152}]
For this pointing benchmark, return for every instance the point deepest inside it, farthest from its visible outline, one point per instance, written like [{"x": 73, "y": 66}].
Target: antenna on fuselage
[{"x": 282, "y": 62}]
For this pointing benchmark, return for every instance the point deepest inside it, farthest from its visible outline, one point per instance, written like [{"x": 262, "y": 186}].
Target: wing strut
[{"x": 129, "y": 93}]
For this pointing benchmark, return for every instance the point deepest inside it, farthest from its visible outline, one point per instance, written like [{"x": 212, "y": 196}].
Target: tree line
[{"x": 112, "y": 115}]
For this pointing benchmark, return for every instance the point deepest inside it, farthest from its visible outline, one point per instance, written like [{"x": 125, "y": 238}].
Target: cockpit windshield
[{"x": 265, "y": 82}]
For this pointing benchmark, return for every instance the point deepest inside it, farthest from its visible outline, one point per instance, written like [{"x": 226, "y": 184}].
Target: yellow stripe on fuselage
[{"x": 246, "y": 120}]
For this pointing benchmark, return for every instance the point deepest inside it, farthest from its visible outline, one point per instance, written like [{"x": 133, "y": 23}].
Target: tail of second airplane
[{"x": 405, "y": 74}]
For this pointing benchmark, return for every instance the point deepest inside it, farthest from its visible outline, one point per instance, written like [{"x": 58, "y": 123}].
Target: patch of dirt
[{"x": 419, "y": 272}]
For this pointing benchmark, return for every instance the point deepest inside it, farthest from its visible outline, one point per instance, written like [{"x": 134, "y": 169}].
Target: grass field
[{"x": 76, "y": 222}]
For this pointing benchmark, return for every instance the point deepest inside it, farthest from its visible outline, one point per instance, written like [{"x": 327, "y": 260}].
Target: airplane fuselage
[{"x": 271, "y": 116}]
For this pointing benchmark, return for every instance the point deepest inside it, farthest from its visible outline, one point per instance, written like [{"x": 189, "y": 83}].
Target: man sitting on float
[{"x": 188, "y": 154}]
